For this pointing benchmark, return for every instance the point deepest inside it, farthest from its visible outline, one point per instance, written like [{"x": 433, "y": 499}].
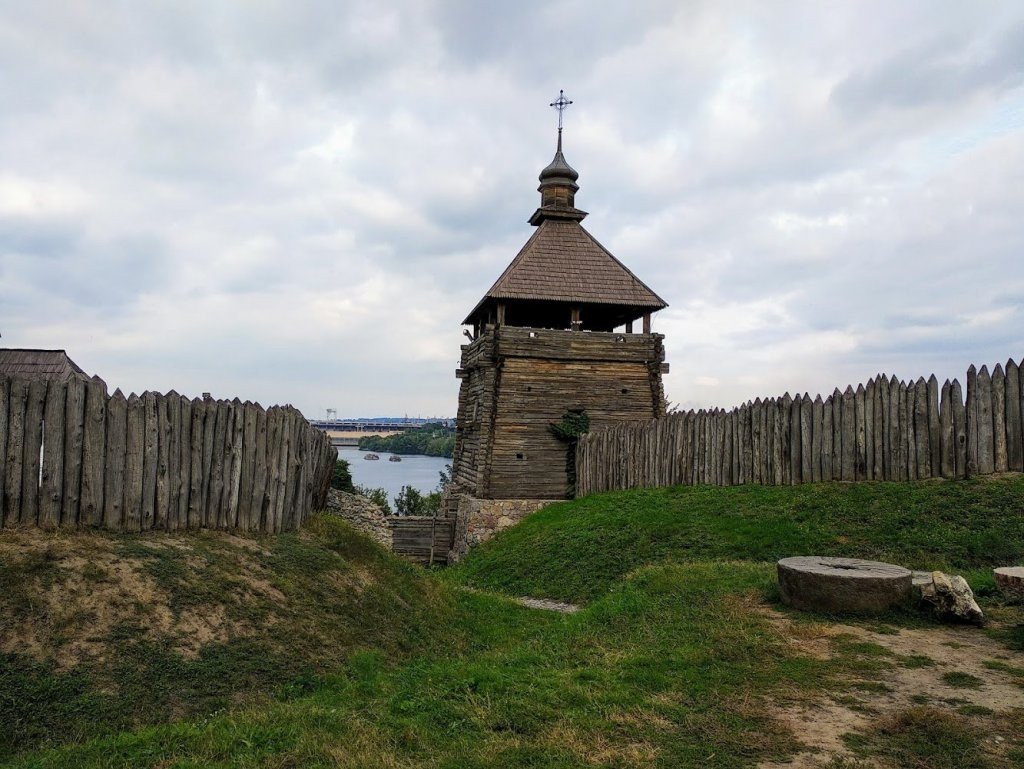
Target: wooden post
[
  {"x": 891, "y": 446},
  {"x": 817, "y": 438},
  {"x": 184, "y": 460},
  {"x": 878, "y": 432},
  {"x": 972, "y": 422},
  {"x": 837, "y": 435},
  {"x": 51, "y": 491},
  {"x": 501, "y": 314},
  {"x": 922, "y": 439},
  {"x": 860, "y": 434},
  {"x": 909, "y": 405},
  {"x": 900, "y": 436},
  {"x": 959, "y": 429},
  {"x": 134, "y": 468},
  {"x": 33, "y": 445},
  {"x": 849, "y": 463},
  {"x": 629, "y": 327},
  {"x": 574, "y": 319},
  {"x": 1014, "y": 427},
  {"x": 986, "y": 440},
  {"x": 5, "y": 396},
  {"x": 947, "y": 443},
  {"x": 999, "y": 419},
  {"x": 94, "y": 445},
  {"x": 647, "y": 323},
  {"x": 114, "y": 466},
  {"x": 869, "y": 430},
  {"x": 197, "y": 432},
  {"x": 150, "y": 459},
  {"x": 15, "y": 452},
  {"x": 74, "y": 421},
  {"x": 163, "y": 491},
  {"x": 795, "y": 456}
]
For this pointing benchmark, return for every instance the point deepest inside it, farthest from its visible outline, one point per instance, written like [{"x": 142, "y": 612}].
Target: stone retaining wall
[{"x": 477, "y": 520}]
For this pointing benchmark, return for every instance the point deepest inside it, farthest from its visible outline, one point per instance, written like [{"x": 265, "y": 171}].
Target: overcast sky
[{"x": 299, "y": 202}]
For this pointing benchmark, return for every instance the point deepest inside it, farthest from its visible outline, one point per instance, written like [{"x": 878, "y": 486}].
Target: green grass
[
  {"x": 575, "y": 550},
  {"x": 960, "y": 680},
  {"x": 368, "y": 662},
  {"x": 292, "y": 607}
]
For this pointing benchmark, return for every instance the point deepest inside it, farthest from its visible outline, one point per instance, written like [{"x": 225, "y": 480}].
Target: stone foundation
[
  {"x": 361, "y": 513},
  {"x": 477, "y": 520}
]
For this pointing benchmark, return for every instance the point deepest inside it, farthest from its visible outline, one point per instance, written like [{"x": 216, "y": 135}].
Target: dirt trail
[{"x": 922, "y": 657}]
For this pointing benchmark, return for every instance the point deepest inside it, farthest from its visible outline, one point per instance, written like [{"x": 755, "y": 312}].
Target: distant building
[
  {"x": 48, "y": 365},
  {"x": 544, "y": 344}
]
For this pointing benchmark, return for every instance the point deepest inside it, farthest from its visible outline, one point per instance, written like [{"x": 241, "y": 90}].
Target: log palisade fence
[
  {"x": 73, "y": 456},
  {"x": 886, "y": 430}
]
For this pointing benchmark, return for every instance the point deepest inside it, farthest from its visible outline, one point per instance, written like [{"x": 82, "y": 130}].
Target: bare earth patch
[
  {"x": 82, "y": 588},
  {"x": 957, "y": 669}
]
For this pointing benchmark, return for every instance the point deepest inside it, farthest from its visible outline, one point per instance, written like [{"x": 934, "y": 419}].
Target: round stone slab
[
  {"x": 821, "y": 583},
  {"x": 1010, "y": 579}
]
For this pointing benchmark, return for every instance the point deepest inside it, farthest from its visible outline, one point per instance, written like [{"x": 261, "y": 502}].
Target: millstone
[
  {"x": 1010, "y": 579},
  {"x": 820, "y": 583}
]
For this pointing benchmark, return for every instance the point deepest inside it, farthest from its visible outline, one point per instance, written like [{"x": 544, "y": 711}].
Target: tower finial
[{"x": 560, "y": 104}]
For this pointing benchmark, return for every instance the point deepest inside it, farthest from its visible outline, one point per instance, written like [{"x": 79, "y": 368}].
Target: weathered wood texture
[
  {"x": 887, "y": 430},
  {"x": 422, "y": 539},
  {"x": 517, "y": 381},
  {"x": 71, "y": 455}
]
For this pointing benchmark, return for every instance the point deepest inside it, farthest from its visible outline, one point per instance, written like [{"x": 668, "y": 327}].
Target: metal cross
[{"x": 560, "y": 104}]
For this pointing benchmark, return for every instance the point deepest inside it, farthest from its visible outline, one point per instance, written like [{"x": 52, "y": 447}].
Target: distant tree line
[{"x": 432, "y": 439}]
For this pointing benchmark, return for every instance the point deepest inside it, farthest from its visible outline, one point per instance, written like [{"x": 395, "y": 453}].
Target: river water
[{"x": 416, "y": 470}]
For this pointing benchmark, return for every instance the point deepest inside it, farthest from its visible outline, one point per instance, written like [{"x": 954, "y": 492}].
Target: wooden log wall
[
  {"x": 423, "y": 539},
  {"x": 884, "y": 430},
  {"x": 72, "y": 455}
]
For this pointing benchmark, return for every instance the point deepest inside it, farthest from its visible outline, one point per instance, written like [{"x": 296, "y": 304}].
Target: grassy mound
[
  {"x": 575, "y": 551},
  {"x": 104, "y": 632}
]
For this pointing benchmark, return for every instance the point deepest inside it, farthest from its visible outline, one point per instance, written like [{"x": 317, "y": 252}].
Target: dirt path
[{"x": 956, "y": 668}]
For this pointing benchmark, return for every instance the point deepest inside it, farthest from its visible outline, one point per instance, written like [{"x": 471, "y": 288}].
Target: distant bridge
[{"x": 348, "y": 432}]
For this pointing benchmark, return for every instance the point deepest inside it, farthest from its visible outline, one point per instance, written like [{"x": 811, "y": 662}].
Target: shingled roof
[
  {"x": 563, "y": 262},
  {"x": 50, "y": 365}
]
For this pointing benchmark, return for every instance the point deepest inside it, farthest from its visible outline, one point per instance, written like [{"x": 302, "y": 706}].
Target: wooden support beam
[{"x": 647, "y": 323}]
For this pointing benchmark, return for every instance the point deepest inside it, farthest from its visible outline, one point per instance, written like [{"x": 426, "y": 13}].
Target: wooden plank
[
  {"x": 33, "y": 445},
  {"x": 209, "y": 516},
  {"x": 273, "y": 466},
  {"x": 890, "y": 395},
  {"x": 881, "y": 390},
  {"x": 910, "y": 405},
  {"x": 93, "y": 448},
  {"x": 869, "y": 430},
  {"x": 796, "y": 443},
  {"x": 1014, "y": 425},
  {"x": 172, "y": 406},
  {"x": 947, "y": 443},
  {"x": 934, "y": 429},
  {"x": 15, "y": 451},
  {"x": 999, "y": 419},
  {"x": 972, "y": 422},
  {"x": 234, "y": 468},
  {"x": 74, "y": 421},
  {"x": 245, "y": 507},
  {"x": 220, "y": 466},
  {"x": 959, "y": 428},
  {"x": 807, "y": 458},
  {"x": 197, "y": 433},
  {"x": 51, "y": 484},
  {"x": 827, "y": 436},
  {"x": 986, "y": 440},
  {"x": 922, "y": 445},
  {"x": 134, "y": 468},
  {"x": 837, "y": 435},
  {"x": 849, "y": 427},
  {"x": 817, "y": 445},
  {"x": 184, "y": 460},
  {"x": 900, "y": 435},
  {"x": 163, "y": 469},
  {"x": 115, "y": 462},
  {"x": 5, "y": 397},
  {"x": 150, "y": 459},
  {"x": 860, "y": 434}
]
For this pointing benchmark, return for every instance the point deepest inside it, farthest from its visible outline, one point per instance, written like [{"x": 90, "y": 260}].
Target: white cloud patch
[{"x": 299, "y": 202}]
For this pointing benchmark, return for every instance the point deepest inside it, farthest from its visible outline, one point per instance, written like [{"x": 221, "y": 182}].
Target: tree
[
  {"x": 378, "y": 496},
  {"x": 341, "y": 477}
]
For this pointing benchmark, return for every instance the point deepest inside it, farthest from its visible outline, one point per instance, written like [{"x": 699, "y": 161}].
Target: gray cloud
[{"x": 299, "y": 203}]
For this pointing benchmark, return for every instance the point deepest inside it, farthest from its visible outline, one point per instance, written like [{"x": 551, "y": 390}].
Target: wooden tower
[{"x": 544, "y": 342}]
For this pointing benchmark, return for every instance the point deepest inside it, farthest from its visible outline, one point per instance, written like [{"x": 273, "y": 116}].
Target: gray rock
[
  {"x": 951, "y": 598},
  {"x": 827, "y": 584},
  {"x": 1010, "y": 580},
  {"x": 362, "y": 513}
]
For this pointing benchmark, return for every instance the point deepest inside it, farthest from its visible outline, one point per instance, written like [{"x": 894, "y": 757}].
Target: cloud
[{"x": 299, "y": 202}]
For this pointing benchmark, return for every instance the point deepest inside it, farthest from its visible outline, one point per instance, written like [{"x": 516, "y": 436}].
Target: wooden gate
[{"x": 423, "y": 539}]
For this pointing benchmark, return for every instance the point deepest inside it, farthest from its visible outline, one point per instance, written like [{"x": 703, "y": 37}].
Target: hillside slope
[
  {"x": 102, "y": 632},
  {"x": 574, "y": 551}
]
